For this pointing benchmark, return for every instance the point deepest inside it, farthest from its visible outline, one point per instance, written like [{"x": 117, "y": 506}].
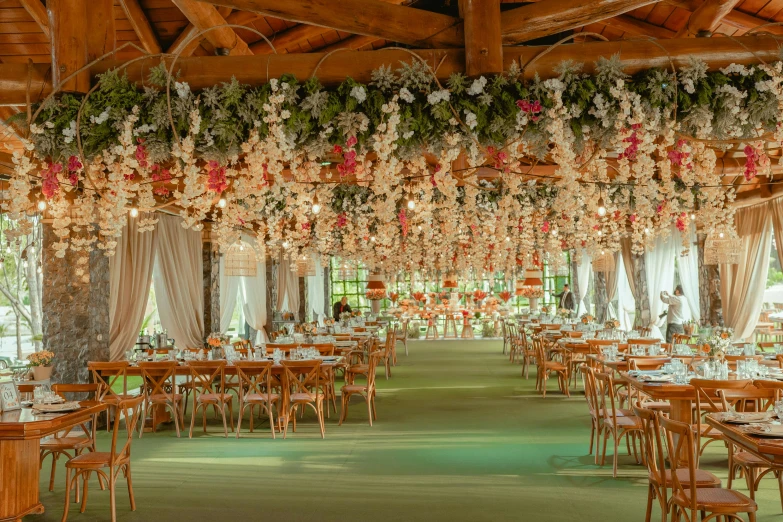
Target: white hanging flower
[
  {"x": 477, "y": 87},
  {"x": 102, "y": 117},
  {"x": 406, "y": 95},
  {"x": 359, "y": 93},
  {"x": 70, "y": 132},
  {"x": 285, "y": 114},
  {"x": 182, "y": 88},
  {"x": 470, "y": 120},
  {"x": 436, "y": 97}
]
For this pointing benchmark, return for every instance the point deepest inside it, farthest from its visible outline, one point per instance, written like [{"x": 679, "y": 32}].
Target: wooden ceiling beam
[
  {"x": 734, "y": 18},
  {"x": 706, "y": 18},
  {"x": 483, "y": 46},
  {"x": 68, "y": 24},
  {"x": 141, "y": 26},
  {"x": 102, "y": 35},
  {"x": 554, "y": 16},
  {"x": 205, "y": 16},
  {"x": 352, "y": 42},
  {"x": 204, "y": 71},
  {"x": 635, "y": 26},
  {"x": 385, "y": 20},
  {"x": 186, "y": 49},
  {"x": 37, "y": 11}
]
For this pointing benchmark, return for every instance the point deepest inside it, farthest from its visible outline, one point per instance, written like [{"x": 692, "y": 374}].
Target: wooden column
[
  {"x": 75, "y": 313},
  {"x": 642, "y": 296},
  {"x": 710, "y": 303},
  {"x": 68, "y": 27},
  {"x": 101, "y": 36},
  {"x": 483, "y": 45},
  {"x": 210, "y": 256}
]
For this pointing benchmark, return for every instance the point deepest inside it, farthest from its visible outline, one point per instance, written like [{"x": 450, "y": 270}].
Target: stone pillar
[
  {"x": 710, "y": 304},
  {"x": 572, "y": 278},
  {"x": 328, "y": 291},
  {"x": 210, "y": 256},
  {"x": 642, "y": 296},
  {"x": 600, "y": 297},
  {"x": 75, "y": 313}
]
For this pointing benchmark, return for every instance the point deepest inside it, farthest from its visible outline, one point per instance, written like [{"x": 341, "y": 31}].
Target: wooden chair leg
[
  {"x": 67, "y": 493},
  {"x": 130, "y": 486}
]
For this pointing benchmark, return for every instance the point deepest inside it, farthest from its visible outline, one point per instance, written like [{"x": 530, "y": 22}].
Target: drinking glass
[{"x": 779, "y": 409}]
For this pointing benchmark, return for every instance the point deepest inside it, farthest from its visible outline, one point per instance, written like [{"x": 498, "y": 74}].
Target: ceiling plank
[
  {"x": 180, "y": 47},
  {"x": 706, "y": 18},
  {"x": 205, "y": 16},
  {"x": 633, "y": 25},
  {"x": 200, "y": 72},
  {"x": 141, "y": 26},
  {"x": 352, "y": 42},
  {"x": 102, "y": 36},
  {"x": 483, "y": 46},
  {"x": 37, "y": 11},
  {"x": 553, "y": 16},
  {"x": 68, "y": 24},
  {"x": 367, "y": 17},
  {"x": 735, "y": 18}
]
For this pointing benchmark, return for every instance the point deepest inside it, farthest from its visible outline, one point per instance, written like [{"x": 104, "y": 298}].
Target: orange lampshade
[
  {"x": 450, "y": 281},
  {"x": 376, "y": 282},
  {"x": 533, "y": 277},
  {"x": 519, "y": 287}
]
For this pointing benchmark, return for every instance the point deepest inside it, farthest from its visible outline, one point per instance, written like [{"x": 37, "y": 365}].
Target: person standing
[
  {"x": 675, "y": 317},
  {"x": 340, "y": 307},
  {"x": 565, "y": 299}
]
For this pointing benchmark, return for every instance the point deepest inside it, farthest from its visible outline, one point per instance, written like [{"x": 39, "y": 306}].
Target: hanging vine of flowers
[{"x": 399, "y": 166}]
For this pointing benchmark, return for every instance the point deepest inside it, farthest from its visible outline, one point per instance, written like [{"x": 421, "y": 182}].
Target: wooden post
[
  {"x": 483, "y": 45},
  {"x": 101, "y": 37},
  {"x": 710, "y": 303},
  {"x": 68, "y": 27}
]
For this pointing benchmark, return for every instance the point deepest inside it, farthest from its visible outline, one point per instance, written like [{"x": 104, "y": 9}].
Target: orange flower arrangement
[{"x": 505, "y": 296}]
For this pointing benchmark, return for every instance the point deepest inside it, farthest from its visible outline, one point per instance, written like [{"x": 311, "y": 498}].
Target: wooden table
[
  {"x": 20, "y": 436},
  {"x": 763, "y": 447}
]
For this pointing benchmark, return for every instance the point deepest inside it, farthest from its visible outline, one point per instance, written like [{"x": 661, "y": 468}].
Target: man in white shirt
[{"x": 676, "y": 315}]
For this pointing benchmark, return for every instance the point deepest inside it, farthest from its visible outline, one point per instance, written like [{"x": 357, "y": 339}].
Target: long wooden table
[
  {"x": 763, "y": 447},
  {"x": 20, "y": 434}
]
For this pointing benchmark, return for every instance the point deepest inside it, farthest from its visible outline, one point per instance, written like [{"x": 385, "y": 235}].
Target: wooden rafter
[
  {"x": 205, "y": 16},
  {"x": 734, "y": 18},
  {"x": 352, "y": 42},
  {"x": 483, "y": 48},
  {"x": 635, "y": 26},
  {"x": 367, "y": 17},
  {"x": 183, "y": 45},
  {"x": 37, "y": 11},
  {"x": 206, "y": 71},
  {"x": 141, "y": 25},
  {"x": 707, "y": 17},
  {"x": 553, "y": 16}
]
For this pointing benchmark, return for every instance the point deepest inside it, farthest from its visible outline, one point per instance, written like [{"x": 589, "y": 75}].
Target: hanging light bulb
[
  {"x": 508, "y": 239},
  {"x": 134, "y": 212},
  {"x": 42, "y": 205},
  {"x": 222, "y": 202},
  {"x": 411, "y": 204},
  {"x": 601, "y": 207},
  {"x": 647, "y": 231},
  {"x": 372, "y": 238},
  {"x": 418, "y": 226},
  {"x": 693, "y": 217},
  {"x": 600, "y": 233},
  {"x": 285, "y": 244},
  {"x": 316, "y": 207},
  {"x": 720, "y": 235}
]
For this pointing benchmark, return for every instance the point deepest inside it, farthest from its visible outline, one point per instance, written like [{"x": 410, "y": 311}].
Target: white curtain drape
[
  {"x": 742, "y": 285},
  {"x": 584, "y": 272},
  {"x": 229, "y": 289},
  {"x": 626, "y": 304},
  {"x": 659, "y": 263},
  {"x": 253, "y": 296},
  {"x": 315, "y": 291},
  {"x": 689, "y": 274},
  {"x": 130, "y": 274},
  {"x": 178, "y": 278}
]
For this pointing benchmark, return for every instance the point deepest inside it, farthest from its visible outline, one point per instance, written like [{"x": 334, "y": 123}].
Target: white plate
[
  {"x": 747, "y": 418},
  {"x": 57, "y": 408},
  {"x": 772, "y": 431}
]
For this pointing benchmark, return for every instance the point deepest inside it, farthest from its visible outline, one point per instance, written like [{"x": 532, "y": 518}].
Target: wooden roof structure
[{"x": 42, "y": 42}]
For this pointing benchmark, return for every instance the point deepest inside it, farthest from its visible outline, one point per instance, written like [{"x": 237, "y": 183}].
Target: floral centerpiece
[
  {"x": 217, "y": 339},
  {"x": 393, "y": 296},
  {"x": 444, "y": 296},
  {"x": 689, "y": 327},
  {"x": 375, "y": 294},
  {"x": 505, "y": 296},
  {"x": 357, "y": 313},
  {"x": 309, "y": 328},
  {"x": 329, "y": 322},
  {"x": 491, "y": 304},
  {"x": 41, "y": 363},
  {"x": 418, "y": 296},
  {"x": 544, "y": 309},
  {"x": 344, "y": 316},
  {"x": 717, "y": 344},
  {"x": 612, "y": 324},
  {"x": 478, "y": 296},
  {"x": 587, "y": 318},
  {"x": 564, "y": 313},
  {"x": 532, "y": 292}
]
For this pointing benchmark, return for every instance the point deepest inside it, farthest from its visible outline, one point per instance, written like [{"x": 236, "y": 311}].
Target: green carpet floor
[{"x": 460, "y": 436}]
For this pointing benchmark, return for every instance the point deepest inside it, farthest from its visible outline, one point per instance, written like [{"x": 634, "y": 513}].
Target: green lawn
[{"x": 460, "y": 436}]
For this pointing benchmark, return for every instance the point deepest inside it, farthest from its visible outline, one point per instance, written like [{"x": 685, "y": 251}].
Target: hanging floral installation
[{"x": 395, "y": 173}]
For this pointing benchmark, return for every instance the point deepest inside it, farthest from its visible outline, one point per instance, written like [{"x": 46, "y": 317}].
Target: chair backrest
[
  {"x": 602, "y": 342},
  {"x": 301, "y": 376},
  {"x": 591, "y": 393},
  {"x": 26, "y": 390},
  {"x": 645, "y": 362},
  {"x": 93, "y": 390},
  {"x": 680, "y": 445},
  {"x": 605, "y": 392},
  {"x": 652, "y": 445},
  {"x": 254, "y": 377},
  {"x": 158, "y": 377},
  {"x": 108, "y": 374},
  {"x": 681, "y": 338},
  {"x": 374, "y": 358},
  {"x": 206, "y": 375},
  {"x": 130, "y": 409},
  {"x": 573, "y": 334},
  {"x": 646, "y": 341}
]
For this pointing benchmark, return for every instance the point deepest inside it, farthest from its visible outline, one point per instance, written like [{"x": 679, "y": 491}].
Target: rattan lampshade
[
  {"x": 240, "y": 260},
  {"x": 519, "y": 287},
  {"x": 347, "y": 270},
  {"x": 604, "y": 262},
  {"x": 304, "y": 266},
  {"x": 534, "y": 277},
  {"x": 376, "y": 282},
  {"x": 722, "y": 247},
  {"x": 450, "y": 280}
]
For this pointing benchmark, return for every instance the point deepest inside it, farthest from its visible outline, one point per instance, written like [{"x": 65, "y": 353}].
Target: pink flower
[
  {"x": 216, "y": 178},
  {"x": 337, "y": 149},
  {"x": 342, "y": 220},
  {"x": 750, "y": 162},
  {"x": 351, "y": 141},
  {"x": 632, "y": 218},
  {"x": 74, "y": 163},
  {"x": 141, "y": 154},
  {"x": 682, "y": 221},
  {"x": 50, "y": 184},
  {"x": 545, "y": 227},
  {"x": 403, "y": 222},
  {"x": 306, "y": 226}
]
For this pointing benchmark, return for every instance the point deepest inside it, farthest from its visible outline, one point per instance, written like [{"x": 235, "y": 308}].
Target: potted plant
[
  {"x": 41, "y": 363},
  {"x": 216, "y": 341},
  {"x": 689, "y": 327}
]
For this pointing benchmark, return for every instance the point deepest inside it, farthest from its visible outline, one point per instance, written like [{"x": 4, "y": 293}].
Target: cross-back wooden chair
[
  {"x": 681, "y": 338},
  {"x": 654, "y": 456},
  {"x": 209, "y": 389},
  {"x": 365, "y": 390},
  {"x": 615, "y": 424},
  {"x": 160, "y": 389},
  {"x": 107, "y": 465},
  {"x": 545, "y": 367},
  {"x": 596, "y": 416},
  {"x": 692, "y": 502},
  {"x": 301, "y": 380},
  {"x": 401, "y": 336},
  {"x": 109, "y": 374},
  {"x": 711, "y": 398},
  {"x": 70, "y": 442},
  {"x": 256, "y": 390}
]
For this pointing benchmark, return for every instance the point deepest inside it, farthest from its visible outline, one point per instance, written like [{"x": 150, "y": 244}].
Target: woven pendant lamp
[
  {"x": 722, "y": 247},
  {"x": 240, "y": 260}
]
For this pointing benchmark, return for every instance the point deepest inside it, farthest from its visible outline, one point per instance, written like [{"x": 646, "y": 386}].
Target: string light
[
  {"x": 42, "y": 205},
  {"x": 222, "y": 202},
  {"x": 285, "y": 244},
  {"x": 134, "y": 212},
  {"x": 601, "y": 207}
]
